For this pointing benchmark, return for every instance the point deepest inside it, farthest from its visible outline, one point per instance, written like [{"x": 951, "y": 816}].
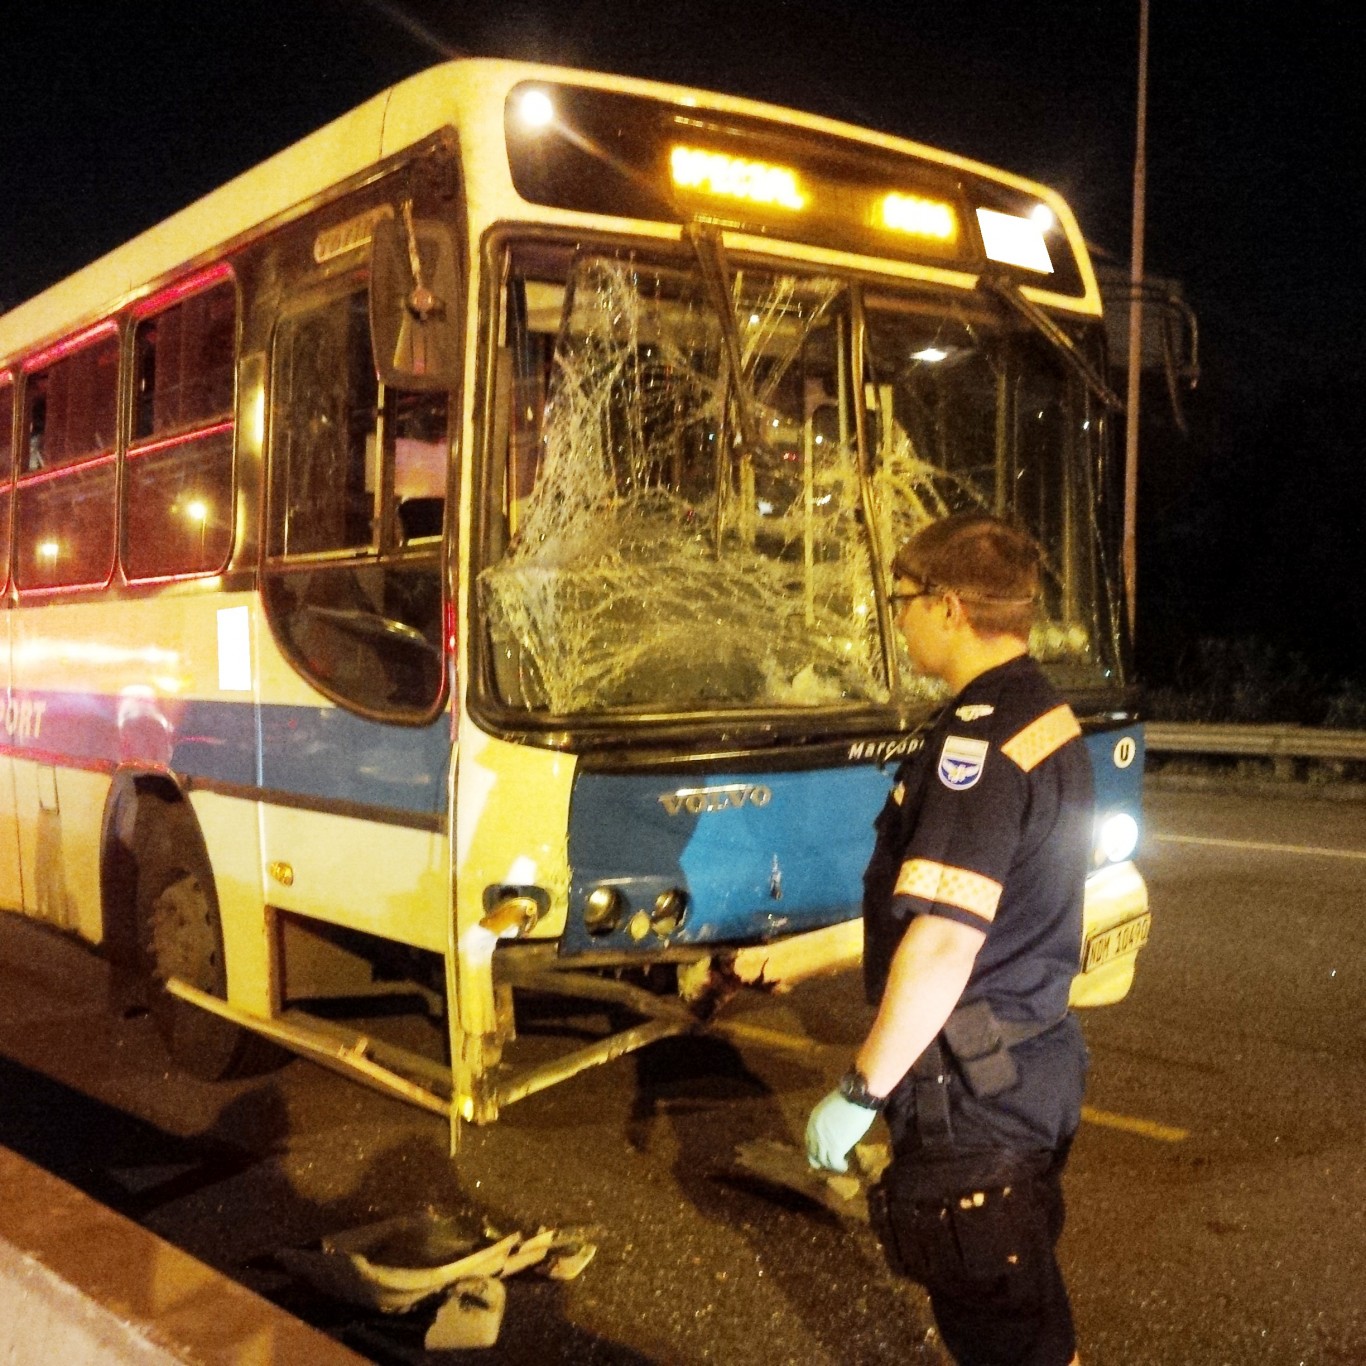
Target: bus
[{"x": 447, "y": 565}]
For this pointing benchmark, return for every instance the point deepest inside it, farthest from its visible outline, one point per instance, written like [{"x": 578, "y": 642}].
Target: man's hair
[{"x": 991, "y": 564}]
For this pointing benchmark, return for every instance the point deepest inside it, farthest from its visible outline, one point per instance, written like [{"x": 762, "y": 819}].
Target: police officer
[{"x": 972, "y": 934}]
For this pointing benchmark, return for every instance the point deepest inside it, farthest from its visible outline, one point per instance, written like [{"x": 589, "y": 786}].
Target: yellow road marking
[
  {"x": 742, "y": 1033},
  {"x": 771, "y": 1038},
  {"x": 1312, "y": 849},
  {"x": 1148, "y": 1128}
]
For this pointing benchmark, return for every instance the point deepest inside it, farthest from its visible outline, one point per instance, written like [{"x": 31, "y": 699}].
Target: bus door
[{"x": 355, "y": 741}]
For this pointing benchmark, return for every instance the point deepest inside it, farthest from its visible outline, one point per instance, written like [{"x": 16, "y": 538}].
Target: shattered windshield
[
  {"x": 680, "y": 517},
  {"x": 972, "y": 410},
  {"x": 679, "y": 537}
]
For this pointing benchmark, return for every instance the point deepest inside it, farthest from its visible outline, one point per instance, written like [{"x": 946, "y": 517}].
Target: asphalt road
[{"x": 1217, "y": 1193}]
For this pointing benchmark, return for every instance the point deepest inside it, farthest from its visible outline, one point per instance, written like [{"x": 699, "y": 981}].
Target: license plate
[{"x": 1128, "y": 937}]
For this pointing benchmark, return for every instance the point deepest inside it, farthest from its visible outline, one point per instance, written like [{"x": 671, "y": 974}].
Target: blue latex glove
[{"x": 835, "y": 1126}]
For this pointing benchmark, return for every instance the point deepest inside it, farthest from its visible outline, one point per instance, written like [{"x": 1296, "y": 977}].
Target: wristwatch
[{"x": 854, "y": 1088}]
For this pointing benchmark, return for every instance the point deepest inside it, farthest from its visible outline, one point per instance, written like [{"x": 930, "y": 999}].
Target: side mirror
[{"x": 414, "y": 303}]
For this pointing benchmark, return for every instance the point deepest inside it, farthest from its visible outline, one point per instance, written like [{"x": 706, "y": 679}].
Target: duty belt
[{"x": 979, "y": 1044}]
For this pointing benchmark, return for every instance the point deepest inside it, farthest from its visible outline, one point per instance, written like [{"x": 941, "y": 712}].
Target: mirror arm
[{"x": 422, "y": 303}]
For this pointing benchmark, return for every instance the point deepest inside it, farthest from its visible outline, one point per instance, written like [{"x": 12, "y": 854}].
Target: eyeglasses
[{"x": 899, "y": 600}]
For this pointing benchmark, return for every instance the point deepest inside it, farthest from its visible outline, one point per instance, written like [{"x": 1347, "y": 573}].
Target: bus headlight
[
  {"x": 603, "y": 910},
  {"x": 1116, "y": 837},
  {"x": 670, "y": 908}
]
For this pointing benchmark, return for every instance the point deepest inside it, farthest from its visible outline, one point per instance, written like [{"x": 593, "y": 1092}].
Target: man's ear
[{"x": 955, "y": 614}]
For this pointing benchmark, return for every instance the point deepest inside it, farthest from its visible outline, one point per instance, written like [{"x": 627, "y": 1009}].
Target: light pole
[{"x": 1135, "y": 330}]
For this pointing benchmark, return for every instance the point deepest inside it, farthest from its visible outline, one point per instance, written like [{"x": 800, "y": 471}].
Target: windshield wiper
[
  {"x": 711, "y": 258},
  {"x": 1009, "y": 293}
]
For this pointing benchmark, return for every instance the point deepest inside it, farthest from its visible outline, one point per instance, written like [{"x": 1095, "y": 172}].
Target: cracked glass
[
  {"x": 679, "y": 536},
  {"x": 680, "y": 506}
]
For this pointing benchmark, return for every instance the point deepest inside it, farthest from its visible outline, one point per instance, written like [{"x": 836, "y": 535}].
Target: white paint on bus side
[{"x": 24, "y": 717}]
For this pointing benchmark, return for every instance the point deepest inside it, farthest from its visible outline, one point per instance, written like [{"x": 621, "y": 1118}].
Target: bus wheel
[{"x": 180, "y": 936}]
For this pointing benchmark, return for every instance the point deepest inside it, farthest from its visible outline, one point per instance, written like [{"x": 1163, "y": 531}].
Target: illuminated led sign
[
  {"x": 681, "y": 160},
  {"x": 920, "y": 217},
  {"x": 727, "y": 177},
  {"x": 1014, "y": 241}
]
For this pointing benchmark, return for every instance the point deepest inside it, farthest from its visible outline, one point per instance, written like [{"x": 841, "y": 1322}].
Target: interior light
[
  {"x": 48, "y": 550},
  {"x": 1014, "y": 241},
  {"x": 932, "y": 354},
  {"x": 197, "y": 511},
  {"x": 728, "y": 177},
  {"x": 1043, "y": 217},
  {"x": 918, "y": 216},
  {"x": 536, "y": 110},
  {"x": 1117, "y": 837}
]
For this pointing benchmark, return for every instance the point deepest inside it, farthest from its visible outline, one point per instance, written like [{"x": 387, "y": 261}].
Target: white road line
[{"x": 1314, "y": 850}]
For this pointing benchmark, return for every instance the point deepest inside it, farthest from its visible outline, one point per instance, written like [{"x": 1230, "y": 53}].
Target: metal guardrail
[{"x": 1262, "y": 742}]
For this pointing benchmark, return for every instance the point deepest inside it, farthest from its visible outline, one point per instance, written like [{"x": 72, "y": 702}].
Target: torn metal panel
[
  {"x": 398, "y": 1263},
  {"x": 471, "y": 1317}
]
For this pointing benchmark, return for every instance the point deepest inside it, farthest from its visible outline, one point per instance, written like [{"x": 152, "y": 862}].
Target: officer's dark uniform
[{"x": 988, "y": 824}]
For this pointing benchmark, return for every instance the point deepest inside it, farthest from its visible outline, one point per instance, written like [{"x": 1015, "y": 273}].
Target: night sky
[{"x": 1251, "y": 524}]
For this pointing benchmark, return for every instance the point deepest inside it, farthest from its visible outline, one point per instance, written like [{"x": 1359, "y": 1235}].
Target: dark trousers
[
  {"x": 987, "y": 1257},
  {"x": 972, "y": 1205}
]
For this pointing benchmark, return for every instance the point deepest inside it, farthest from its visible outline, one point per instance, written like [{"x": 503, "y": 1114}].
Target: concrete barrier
[{"x": 81, "y": 1285}]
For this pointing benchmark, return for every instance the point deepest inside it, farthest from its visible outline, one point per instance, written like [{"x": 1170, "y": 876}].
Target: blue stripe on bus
[{"x": 319, "y": 752}]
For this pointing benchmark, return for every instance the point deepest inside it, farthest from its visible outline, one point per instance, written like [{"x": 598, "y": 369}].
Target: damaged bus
[{"x": 450, "y": 560}]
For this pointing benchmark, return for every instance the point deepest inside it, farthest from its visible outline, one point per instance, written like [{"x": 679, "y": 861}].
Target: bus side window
[
  {"x": 6, "y": 470},
  {"x": 178, "y": 487},
  {"x": 357, "y": 485},
  {"x": 65, "y": 514},
  {"x": 324, "y": 467}
]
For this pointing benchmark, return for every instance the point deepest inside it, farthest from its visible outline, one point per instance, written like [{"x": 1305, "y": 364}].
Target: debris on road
[
  {"x": 470, "y": 1317},
  {"x": 784, "y": 1165},
  {"x": 397, "y": 1264}
]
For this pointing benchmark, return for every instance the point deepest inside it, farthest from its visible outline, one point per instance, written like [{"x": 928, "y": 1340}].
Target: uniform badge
[
  {"x": 975, "y": 711},
  {"x": 960, "y": 762}
]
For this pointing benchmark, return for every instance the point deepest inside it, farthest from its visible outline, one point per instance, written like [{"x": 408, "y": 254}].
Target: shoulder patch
[
  {"x": 960, "y": 761},
  {"x": 1031, "y": 746},
  {"x": 975, "y": 711}
]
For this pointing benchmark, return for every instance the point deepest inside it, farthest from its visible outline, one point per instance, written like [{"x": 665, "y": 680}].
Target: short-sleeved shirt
[{"x": 989, "y": 824}]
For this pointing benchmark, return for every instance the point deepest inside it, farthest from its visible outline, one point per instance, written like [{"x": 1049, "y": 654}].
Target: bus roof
[{"x": 467, "y": 95}]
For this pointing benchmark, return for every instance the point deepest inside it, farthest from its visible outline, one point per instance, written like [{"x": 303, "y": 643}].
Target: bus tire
[{"x": 180, "y": 935}]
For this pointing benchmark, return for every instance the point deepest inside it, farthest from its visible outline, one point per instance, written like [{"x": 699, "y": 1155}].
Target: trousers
[
  {"x": 972, "y": 1208},
  {"x": 988, "y": 1261}
]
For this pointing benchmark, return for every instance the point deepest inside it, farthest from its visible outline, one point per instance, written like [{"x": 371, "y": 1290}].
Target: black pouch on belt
[{"x": 974, "y": 1039}]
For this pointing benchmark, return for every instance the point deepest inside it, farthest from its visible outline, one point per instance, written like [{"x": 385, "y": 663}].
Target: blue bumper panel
[
  {"x": 1117, "y": 766},
  {"x": 757, "y": 854}
]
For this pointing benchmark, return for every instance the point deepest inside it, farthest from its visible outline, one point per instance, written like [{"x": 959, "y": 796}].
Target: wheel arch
[{"x": 130, "y": 795}]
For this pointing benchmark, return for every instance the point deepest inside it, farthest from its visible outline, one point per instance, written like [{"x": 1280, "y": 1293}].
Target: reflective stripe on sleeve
[
  {"x": 959, "y": 887},
  {"x": 1031, "y": 746}
]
